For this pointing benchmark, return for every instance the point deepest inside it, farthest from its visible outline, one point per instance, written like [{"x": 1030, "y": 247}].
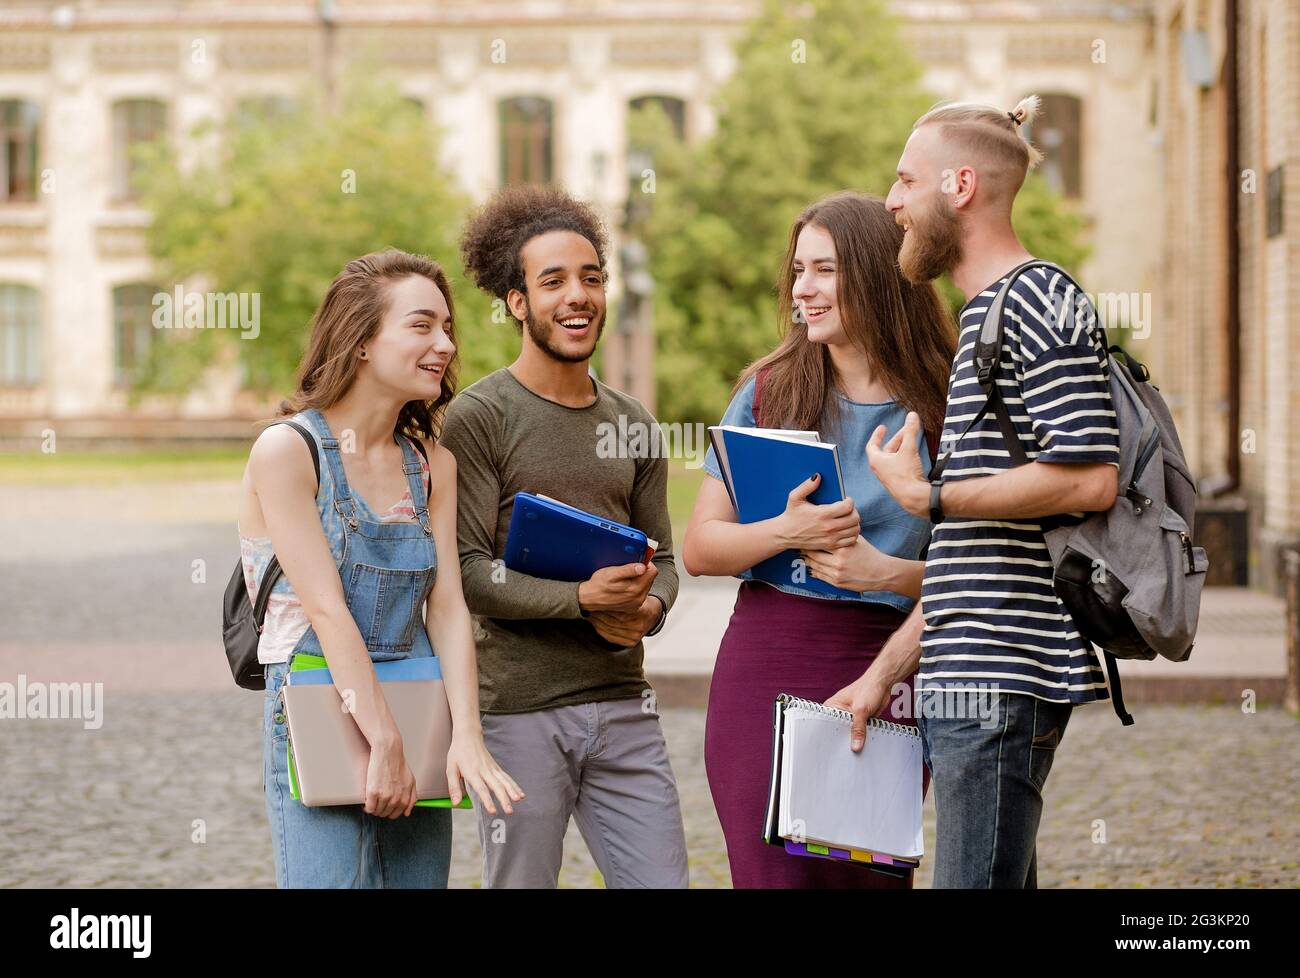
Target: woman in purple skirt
[{"x": 862, "y": 347}]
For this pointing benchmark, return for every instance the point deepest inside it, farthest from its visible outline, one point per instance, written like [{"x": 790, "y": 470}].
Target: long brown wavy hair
[
  {"x": 349, "y": 315},
  {"x": 903, "y": 329}
]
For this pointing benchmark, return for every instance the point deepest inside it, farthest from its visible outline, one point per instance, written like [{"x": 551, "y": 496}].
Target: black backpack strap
[
  {"x": 1009, "y": 434},
  {"x": 759, "y": 376},
  {"x": 273, "y": 569},
  {"x": 1116, "y": 690},
  {"x": 273, "y": 574},
  {"x": 311, "y": 444},
  {"x": 941, "y": 461}
]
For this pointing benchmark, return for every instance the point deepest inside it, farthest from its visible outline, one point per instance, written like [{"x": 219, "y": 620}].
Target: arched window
[
  {"x": 135, "y": 123},
  {"x": 19, "y": 145},
  {"x": 132, "y": 329},
  {"x": 20, "y": 335},
  {"x": 1058, "y": 134},
  {"x": 640, "y": 158},
  {"x": 527, "y": 140},
  {"x": 671, "y": 106}
]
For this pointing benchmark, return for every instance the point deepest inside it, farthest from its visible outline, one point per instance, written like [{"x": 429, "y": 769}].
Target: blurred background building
[
  {"x": 1169, "y": 123},
  {"x": 1228, "y": 347},
  {"x": 522, "y": 92}
]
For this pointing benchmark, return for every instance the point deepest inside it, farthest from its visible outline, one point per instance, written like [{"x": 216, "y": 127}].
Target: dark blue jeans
[{"x": 989, "y": 753}]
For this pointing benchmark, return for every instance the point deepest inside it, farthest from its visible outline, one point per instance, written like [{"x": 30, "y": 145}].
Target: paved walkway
[
  {"x": 123, "y": 587},
  {"x": 1241, "y": 633},
  {"x": 143, "y": 562},
  {"x": 1194, "y": 797}
]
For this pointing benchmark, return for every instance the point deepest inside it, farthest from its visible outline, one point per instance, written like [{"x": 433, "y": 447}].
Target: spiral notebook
[{"x": 827, "y": 800}]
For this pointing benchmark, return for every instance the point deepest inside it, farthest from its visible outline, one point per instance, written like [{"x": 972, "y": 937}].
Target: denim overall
[{"x": 387, "y": 571}]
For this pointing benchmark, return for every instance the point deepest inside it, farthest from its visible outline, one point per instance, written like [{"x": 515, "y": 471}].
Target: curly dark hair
[{"x": 496, "y": 234}]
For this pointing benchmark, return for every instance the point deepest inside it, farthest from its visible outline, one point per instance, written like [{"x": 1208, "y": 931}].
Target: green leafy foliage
[
  {"x": 823, "y": 98},
  {"x": 277, "y": 203}
]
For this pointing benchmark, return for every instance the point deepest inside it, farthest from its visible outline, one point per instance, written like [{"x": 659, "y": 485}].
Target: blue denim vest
[{"x": 387, "y": 569}]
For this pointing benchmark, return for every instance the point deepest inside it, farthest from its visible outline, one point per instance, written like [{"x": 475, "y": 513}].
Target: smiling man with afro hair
[
  {"x": 561, "y": 663},
  {"x": 495, "y": 236}
]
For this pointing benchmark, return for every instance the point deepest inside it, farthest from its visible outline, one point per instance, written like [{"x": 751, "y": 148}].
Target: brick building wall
[{"x": 1190, "y": 355}]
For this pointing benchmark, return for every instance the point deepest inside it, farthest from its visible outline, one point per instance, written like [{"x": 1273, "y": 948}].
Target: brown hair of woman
[
  {"x": 904, "y": 330},
  {"x": 348, "y": 316}
]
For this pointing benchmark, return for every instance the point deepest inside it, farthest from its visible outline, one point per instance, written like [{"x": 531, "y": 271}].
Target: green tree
[
  {"x": 277, "y": 203},
  {"x": 823, "y": 98}
]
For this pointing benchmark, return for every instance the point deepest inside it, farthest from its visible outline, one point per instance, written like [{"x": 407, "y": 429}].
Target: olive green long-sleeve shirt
[{"x": 535, "y": 650}]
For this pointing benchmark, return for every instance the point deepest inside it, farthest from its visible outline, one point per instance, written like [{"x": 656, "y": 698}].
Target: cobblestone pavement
[
  {"x": 1192, "y": 797},
  {"x": 168, "y": 792}
]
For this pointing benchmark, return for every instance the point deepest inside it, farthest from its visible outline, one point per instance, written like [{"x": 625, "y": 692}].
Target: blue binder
[
  {"x": 759, "y": 471},
  {"x": 559, "y": 542}
]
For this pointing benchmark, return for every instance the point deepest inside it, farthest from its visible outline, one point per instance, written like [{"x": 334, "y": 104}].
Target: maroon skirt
[{"x": 782, "y": 643}]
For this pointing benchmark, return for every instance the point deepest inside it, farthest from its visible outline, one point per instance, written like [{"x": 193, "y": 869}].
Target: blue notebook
[
  {"x": 759, "y": 468},
  {"x": 559, "y": 542}
]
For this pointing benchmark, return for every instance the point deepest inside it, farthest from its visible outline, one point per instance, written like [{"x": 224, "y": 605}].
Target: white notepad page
[{"x": 870, "y": 800}]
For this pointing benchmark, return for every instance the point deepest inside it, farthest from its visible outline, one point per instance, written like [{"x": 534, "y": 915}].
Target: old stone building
[{"x": 521, "y": 91}]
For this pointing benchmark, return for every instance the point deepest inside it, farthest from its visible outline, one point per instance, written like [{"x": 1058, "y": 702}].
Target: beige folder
[{"x": 331, "y": 756}]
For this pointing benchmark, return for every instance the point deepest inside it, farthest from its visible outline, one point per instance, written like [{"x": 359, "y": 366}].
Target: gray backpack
[{"x": 1130, "y": 576}]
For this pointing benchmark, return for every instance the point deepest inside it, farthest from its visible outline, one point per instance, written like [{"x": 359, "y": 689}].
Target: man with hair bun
[
  {"x": 560, "y": 664},
  {"x": 1002, "y": 664}
]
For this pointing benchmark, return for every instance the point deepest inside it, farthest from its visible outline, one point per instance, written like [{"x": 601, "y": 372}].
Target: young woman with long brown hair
[
  {"x": 866, "y": 348},
  {"x": 367, "y": 579}
]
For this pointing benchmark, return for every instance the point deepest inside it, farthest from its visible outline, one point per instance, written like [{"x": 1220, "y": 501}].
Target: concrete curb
[{"x": 692, "y": 689}]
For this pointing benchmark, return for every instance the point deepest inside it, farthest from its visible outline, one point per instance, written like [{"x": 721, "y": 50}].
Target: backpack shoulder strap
[
  {"x": 988, "y": 348},
  {"x": 988, "y": 357},
  {"x": 273, "y": 570},
  {"x": 311, "y": 444},
  {"x": 271, "y": 575},
  {"x": 759, "y": 376}
]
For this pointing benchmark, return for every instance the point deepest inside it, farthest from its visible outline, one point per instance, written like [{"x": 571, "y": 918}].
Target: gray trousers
[{"x": 604, "y": 763}]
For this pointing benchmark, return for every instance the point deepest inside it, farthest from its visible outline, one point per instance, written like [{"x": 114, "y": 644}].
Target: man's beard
[
  {"x": 541, "y": 333},
  {"x": 932, "y": 246}
]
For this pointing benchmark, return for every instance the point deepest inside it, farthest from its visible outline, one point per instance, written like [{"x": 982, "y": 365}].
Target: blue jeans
[
  {"x": 989, "y": 753},
  {"x": 340, "y": 845}
]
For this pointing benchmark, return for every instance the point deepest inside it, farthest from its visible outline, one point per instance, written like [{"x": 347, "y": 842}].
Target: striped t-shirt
[{"x": 991, "y": 615}]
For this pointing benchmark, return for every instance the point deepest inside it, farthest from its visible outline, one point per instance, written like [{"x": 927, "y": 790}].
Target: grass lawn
[
  {"x": 180, "y": 465},
  {"x": 683, "y": 485},
  {"x": 120, "y": 468}
]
